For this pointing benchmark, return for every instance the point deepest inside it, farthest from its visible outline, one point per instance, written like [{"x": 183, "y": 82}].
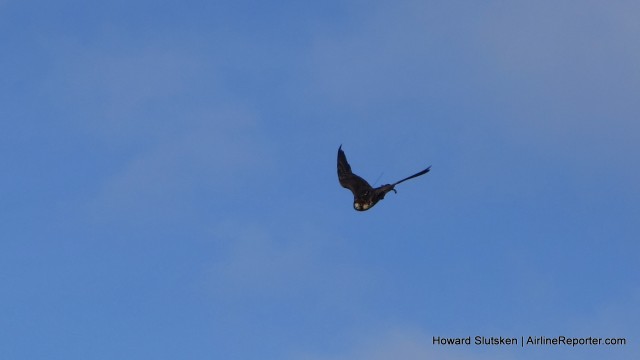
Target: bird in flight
[{"x": 365, "y": 196}]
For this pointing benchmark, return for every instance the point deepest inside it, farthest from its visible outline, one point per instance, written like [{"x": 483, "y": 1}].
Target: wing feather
[{"x": 347, "y": 178}]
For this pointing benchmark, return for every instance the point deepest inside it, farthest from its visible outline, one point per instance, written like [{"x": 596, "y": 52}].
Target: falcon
[{"x": 365, "y": 196}]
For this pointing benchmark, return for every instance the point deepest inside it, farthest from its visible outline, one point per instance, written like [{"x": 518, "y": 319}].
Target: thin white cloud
[
  {"x": 293, "y": 262},
  {"x": 120, "y": 90},
  {"x": 571, "y": 69},
  {"x": 387, "y": 55},
  {"x": 214, "y": 156},
  {"x": 563, "y": 77},
  {"x": 156, "y": 108},
  {"x": 548, "y": 37}
]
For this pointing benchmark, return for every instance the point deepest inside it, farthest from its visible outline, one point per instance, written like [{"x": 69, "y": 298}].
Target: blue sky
[{"x": 169, "y": 186}]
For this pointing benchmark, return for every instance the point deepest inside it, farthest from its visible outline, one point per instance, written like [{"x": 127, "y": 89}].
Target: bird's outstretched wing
[
  {"x": 413, "y": 176},
  {"x": 348, "y": 179}
]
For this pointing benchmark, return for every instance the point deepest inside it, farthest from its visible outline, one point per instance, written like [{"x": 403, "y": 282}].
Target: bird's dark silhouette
[{"x": 365, "y": 196}]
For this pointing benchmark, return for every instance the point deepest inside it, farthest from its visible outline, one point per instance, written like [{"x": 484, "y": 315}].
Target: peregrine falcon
[{"x": 364, "y": 196}]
